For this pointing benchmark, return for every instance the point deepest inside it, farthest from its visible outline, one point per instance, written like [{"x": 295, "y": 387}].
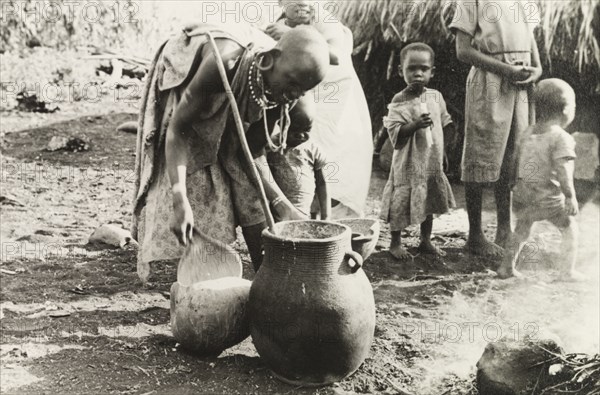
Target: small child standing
[
  {"x": 544, "y": 189},
  {"x": 417, "y": 187},
  {"x": 298, "y": 170}
]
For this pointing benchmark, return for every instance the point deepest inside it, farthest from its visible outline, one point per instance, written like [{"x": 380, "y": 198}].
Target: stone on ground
[
  {"x": 113, "y": 236},
  {"x": 510, "y": 367},
  {"x": 128, "y": 127}
]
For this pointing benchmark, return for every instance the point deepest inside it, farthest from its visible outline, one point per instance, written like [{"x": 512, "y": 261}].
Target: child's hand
[
  {"x": 571, "y": 206},
  {"x": 534, "y": 74},
  {"x": 519, "y": 74},
  {"x": 423, "y": 121},
  {"x": 276, "y": 30}
]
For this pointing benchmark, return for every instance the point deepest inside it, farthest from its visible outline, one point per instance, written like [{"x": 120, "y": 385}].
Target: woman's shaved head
[
  {"x": 297, "y": 64},
  {"x": 305, "y": 46}
]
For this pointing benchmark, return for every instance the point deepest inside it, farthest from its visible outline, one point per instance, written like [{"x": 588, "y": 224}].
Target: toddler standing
[
  {"x": 544, "y": 189},
  {"x": 417, "y": 187}
]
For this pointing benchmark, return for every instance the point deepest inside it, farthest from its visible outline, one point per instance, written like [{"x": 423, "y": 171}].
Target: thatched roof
[
  {"x": 568, "y": 29},
  {"x": 568, "y": 36}
]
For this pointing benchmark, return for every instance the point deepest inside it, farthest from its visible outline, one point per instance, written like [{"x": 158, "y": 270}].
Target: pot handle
[{"x": 357, "y": 258}]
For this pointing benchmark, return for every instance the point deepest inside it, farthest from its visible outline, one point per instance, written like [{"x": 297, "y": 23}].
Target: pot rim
[{"x": 346, "y": 233}]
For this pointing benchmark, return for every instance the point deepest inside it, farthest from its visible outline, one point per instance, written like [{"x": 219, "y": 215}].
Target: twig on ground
[
  {"x": 294, "y": 389},
  {"x": 399, "y": 389},
  {"x": 143, "y": 371},
  {"x": 537, "y": 382},
  {"x": 133, "y": 355}
]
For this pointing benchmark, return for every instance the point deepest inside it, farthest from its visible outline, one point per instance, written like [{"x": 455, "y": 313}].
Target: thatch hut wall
[{"x": 567, "y": 34}]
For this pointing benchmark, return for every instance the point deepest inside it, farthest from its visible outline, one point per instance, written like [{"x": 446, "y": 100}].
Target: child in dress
[
  {"x": 298, "y": 170},
  {"x": 417, "y": 187},
  {"x": 496, "y": 38},
  {"x": 544, "y": 189}
]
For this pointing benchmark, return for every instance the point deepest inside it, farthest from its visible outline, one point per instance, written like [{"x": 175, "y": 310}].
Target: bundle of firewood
[{"x": 580, "y": 374}]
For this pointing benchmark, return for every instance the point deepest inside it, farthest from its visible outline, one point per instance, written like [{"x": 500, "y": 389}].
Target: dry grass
[{"x": 569, "y": 28}]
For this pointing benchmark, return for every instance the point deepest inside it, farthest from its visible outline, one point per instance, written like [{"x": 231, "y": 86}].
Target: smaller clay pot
[
  {"x": 210, "y": 316},
  {"x": 365, "y": 234}
]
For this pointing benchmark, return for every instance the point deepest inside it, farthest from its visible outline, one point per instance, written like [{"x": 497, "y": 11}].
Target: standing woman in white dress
[{"x": 342, "y": 124}]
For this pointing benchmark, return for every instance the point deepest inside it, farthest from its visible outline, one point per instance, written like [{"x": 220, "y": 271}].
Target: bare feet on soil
[
  {"x": 480, "y": 246},
  {"x": 426, "y": 247},
  {"x": 400, "y": 253}
]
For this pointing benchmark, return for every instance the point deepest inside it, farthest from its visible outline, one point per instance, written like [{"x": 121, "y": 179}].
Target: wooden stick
[
  {"x": 396, "y": 387},
  {"x": 242, "y": 134}
]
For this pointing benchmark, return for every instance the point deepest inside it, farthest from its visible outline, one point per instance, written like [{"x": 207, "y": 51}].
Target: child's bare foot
[
  {"x": 426, "y": 247},
  {"x": 400, "y": 253},
  {"x": 480, "y": 246},
  {"x": 508, "y": 272}
]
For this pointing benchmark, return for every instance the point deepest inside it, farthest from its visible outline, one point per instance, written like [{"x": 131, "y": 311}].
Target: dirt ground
[{"x": 77, "y": 320}]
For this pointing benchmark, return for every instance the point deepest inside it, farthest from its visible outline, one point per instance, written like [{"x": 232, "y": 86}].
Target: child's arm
[
  {"x": 564, "y": 170},
  {"x": 449, "y": 133},
  {"x": 408, "y": 129},
  {"x": 466, "y": 53},
  {"x": 399, "y": 132},
  {"x": 284, "y": 209},
  {"x": 536, "y": 66},
  {"x": 323, "y": 194}
]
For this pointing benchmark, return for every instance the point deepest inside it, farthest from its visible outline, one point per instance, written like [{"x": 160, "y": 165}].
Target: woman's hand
[
  {"x": 276, "y": 30},
  {"x": 285, "y": 211},
  {"x": 183, "y": 219},
  {"x": 534, "y": 74}
]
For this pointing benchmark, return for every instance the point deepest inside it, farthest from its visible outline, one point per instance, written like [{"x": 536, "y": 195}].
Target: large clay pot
[{"x": 311, "y": 306}]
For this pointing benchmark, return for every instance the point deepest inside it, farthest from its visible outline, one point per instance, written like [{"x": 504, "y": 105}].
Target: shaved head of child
[{"x": 555, "y": 100}]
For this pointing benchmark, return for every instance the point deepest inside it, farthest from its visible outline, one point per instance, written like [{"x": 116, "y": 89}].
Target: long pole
[{"x": 242, "y": 135}]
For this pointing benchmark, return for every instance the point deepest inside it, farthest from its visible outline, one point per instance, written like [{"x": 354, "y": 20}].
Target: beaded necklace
[
  {"x": 265, "y": 104},
  {"x": 262, "y": 101}
]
